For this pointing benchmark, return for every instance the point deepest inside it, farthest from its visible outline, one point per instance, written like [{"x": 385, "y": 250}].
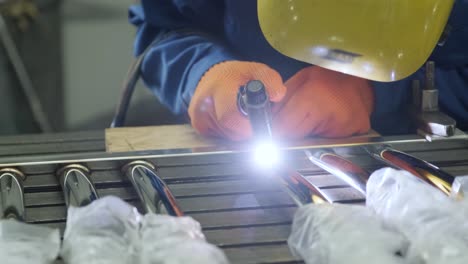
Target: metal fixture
[{"x": 425, "y": 110}]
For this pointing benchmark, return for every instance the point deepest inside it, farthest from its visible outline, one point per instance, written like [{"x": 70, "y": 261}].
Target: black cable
[
  {"x": 128, "y": 87},
  {"x": 129, "y": 83}
]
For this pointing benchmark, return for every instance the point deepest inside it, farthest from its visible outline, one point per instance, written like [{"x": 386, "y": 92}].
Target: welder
[{"x": 200, "y": 52}]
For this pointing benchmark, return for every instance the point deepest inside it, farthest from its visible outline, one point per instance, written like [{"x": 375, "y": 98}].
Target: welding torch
[{"x": 254, "y": 103}]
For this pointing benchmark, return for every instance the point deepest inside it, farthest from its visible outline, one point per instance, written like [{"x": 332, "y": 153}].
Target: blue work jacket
[{"x": 184, "y": 38}]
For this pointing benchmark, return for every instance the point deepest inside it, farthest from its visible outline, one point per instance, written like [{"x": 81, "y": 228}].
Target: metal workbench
[{"x": 243, "y": 212}]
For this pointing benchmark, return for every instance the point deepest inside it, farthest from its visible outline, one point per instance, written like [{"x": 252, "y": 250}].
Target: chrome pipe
[
  {"x": 342, "y": 168},
  {"x": 418, "y": 167},
  {"x": 12, "y": 194},
  {"x": 151, "y": 189},
  {"x": 77, "y": 185},
  {"x": 300, "y": 189}
]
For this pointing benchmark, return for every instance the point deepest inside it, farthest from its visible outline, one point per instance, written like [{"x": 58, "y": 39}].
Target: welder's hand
[
  {"x": 213, "y": 109},
  {"x": 324, "y": 103}
]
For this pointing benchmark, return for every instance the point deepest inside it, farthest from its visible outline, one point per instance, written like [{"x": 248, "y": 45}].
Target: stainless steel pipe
[
  {"x": 12, "y": 194},
  {"x": 299, "y": 188},
  {"x": 151, "y": 189},
  {"x": 77, "y": 185},
  {"x": 342, "y": 168},
  {"x": 418, "y": 167}
]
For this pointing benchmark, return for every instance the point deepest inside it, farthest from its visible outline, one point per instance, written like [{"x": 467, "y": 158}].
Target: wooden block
[{"x": 155, "y": 138}]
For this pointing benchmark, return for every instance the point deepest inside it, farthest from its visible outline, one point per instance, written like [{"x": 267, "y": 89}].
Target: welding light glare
[{"x": 266, "y": 155}]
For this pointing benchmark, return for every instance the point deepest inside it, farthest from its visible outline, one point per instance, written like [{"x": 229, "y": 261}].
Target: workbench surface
[{"x": 244, "y": 213}]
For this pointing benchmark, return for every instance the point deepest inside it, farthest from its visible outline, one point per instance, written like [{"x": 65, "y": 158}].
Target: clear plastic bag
[
  {"x": 174, "y": 240},
  {"x": 24, "y": 243},
  {"x": 103, "y": 232},
  {"x": 436, "y": 224},
  {"x": 335, "y": 234},
  {"x": 111, "y": 231},
  {"x": 400, "y": 197}
]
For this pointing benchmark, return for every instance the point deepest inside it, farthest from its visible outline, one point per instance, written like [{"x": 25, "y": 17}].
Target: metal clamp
[{"x": 425, "y": 111}]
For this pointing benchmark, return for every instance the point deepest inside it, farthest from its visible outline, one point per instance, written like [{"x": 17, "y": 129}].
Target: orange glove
[
  {"x": 324, "y": 103},
  {"x": 213, "y": 109}
]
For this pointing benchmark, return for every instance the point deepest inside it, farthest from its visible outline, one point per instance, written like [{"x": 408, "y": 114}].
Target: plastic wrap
[
  {"x": 23, "y": 243},
  {"x": 112, "y": 231},
  {"x": 436, "y": 225},
  {"x": 336, "y": 234},
  {"x": 401, "y": 197},
  {"x": 174, "y": 240},
  {"x": 106, "y": 231}
]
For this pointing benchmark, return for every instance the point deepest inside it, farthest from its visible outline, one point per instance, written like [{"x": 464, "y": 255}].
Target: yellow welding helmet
[{"x": 382, "y": 40}]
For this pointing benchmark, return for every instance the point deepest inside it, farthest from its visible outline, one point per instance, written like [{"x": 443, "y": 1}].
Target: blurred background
[{"x": 76, "y": 53}]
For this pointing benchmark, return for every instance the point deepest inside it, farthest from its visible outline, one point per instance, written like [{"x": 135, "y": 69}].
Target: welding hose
[
  {"x": 129, "y": 83},
  {"x": 127, "y": 91},
  {"x": 24, "y": 79}
]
